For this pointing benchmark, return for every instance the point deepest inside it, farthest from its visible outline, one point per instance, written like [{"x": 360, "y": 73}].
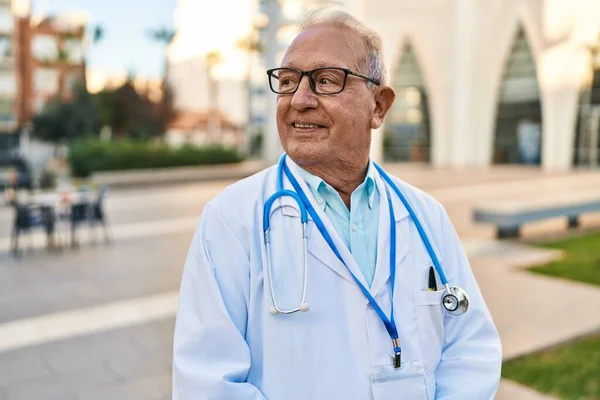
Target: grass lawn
[
  {"x": 572, "y": 370},
  {"x": 582, "y": 261}
]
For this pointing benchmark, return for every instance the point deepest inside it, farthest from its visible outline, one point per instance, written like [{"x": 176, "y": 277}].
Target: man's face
[{"x": 340, "y": 124}]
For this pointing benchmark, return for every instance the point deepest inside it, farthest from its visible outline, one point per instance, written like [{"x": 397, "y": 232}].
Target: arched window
[
  {"x": 518, "y": 136},
  {"x": 587, "y": 133},
  {"x": 406, "y": 134}
]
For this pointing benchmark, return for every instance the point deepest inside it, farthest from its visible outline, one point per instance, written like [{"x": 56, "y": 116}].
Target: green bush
[{"x": 92, "y": 155}]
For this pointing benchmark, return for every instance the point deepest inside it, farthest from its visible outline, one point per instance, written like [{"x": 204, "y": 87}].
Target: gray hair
[{"x": 374, "y": 66}]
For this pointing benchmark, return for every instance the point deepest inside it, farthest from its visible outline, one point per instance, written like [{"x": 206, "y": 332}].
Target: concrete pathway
[{"x": 97, "y": 322}]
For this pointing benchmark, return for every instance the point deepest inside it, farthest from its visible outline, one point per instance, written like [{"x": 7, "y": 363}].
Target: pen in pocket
[{"x": 432, "y": 285}]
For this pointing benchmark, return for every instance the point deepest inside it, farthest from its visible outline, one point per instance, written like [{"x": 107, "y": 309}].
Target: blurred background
[{"x": 119, "y": 120}]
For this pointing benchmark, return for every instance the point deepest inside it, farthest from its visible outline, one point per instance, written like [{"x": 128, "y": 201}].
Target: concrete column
[
  {"x": 461, "y": 143},
  {"x": 377, "y": 145},
  {"x": 561, "y": 71},
  {"x": 559, "y": 116}
]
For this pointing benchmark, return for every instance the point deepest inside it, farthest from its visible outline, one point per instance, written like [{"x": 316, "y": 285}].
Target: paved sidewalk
[
  {"x": 532, "y": 312},
  {"x": 127, "y": 289},
  {"x": 509, "y": 390}
]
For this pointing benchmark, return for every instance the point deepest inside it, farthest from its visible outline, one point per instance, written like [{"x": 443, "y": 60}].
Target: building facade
[
  {"x": 40, "y": 58},
  {"x": 9, "y": 76},
  {"x": 490, "y": 82},
  {"x": 207, "y": 73},
  {"x": 484, "y": 82},
  {"x": 52, "y": 61}
]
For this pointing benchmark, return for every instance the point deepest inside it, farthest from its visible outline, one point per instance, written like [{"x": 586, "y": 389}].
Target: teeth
[{"x": 297, "y": 125}]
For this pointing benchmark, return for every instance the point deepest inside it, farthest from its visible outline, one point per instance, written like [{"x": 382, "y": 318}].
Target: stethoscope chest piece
[{"x": 455, "y": 300}]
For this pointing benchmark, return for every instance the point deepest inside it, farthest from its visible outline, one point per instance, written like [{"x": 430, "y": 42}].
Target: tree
[
  {"x": 164, "y": 110},
  {"x": 164, "y": 36},
  {"x": 133, "y": 114},
  {"x": 251, "y": 45},
  {"x": 62, "y": 121},
  {"x": 98, "y": 34}
]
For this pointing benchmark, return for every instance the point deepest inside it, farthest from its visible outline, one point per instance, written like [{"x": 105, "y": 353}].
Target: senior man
[{"x": 353, "y": 305}]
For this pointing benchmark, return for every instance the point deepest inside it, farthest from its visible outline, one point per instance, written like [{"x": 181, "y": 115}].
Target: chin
[{"x": 306, "y": 153}]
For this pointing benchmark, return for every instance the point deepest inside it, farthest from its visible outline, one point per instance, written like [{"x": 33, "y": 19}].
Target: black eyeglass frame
[{"x": 311, "y": 81}]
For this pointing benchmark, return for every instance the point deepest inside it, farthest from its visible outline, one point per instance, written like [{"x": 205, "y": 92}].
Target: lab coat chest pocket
[{"x": 430, "y": 317}]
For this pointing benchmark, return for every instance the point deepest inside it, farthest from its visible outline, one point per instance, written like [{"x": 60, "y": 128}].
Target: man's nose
[{"x": 304, "y": 97}]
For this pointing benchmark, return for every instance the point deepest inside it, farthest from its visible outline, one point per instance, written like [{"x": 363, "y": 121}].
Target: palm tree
[
  {"x": 251, "y": 45},
  {"x": 98, "y": 34},
  {"x": 212, "y": 59},
  {"x": 163, "y": 36}
]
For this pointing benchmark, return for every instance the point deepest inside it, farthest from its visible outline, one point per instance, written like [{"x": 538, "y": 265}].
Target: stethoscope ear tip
[{"x": 304, "y": 307}]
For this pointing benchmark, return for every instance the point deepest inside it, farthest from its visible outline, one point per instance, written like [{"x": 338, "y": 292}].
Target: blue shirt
[{"x": 358, "y": 227}]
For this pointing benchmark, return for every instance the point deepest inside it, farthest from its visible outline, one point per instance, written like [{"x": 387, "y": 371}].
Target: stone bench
[{"x": 509, "y": 215}]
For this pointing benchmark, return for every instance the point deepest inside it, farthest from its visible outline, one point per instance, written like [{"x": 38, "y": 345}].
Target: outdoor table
[{"x": 57, "y": 207}]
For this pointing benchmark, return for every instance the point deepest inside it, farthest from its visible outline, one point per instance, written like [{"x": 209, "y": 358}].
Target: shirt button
[
  {"x": 354, "y": 227},
  {"x": 320, "y": 200}
]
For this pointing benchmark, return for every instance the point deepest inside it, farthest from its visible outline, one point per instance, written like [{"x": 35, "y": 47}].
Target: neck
[{"x": 344, "y": 178}]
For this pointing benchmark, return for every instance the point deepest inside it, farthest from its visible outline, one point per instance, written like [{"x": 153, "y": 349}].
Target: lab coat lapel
[
  {"x": 317, "y": 245},
  {"x": 382, "y": 268}
]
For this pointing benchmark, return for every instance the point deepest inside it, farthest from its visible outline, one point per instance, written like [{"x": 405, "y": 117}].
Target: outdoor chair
[
  {"x": 28, "y": 217},
  {"x": 91, "y": 213}
]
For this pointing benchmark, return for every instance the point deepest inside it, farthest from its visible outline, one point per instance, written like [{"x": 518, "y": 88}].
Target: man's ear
[{"x": 384, "y": 98}]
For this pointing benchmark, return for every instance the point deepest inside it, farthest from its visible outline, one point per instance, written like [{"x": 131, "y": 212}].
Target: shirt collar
[{"x": 318, "y": 186}]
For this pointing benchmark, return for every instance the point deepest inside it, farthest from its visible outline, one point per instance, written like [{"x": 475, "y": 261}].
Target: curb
[{"x": 169, "y": 176}]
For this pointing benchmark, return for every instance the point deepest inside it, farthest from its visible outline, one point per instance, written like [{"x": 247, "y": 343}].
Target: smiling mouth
[{"x": 299, "y": 125}]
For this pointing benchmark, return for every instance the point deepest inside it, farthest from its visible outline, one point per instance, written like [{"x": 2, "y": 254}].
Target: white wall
[
  {"x": 463, "y": 46},
  {"x": 426, "y": 24},
  {"x": 189, "y": 83}
]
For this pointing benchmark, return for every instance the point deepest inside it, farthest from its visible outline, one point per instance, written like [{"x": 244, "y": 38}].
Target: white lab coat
[{"x": 228, "y": 346}]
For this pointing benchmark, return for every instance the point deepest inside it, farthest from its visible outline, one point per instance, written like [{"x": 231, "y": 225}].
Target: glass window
[
  {"x": 6, "y": 47},
  {"x": 8, "y": 83},
  {"x": 406, "y": 136},
  {"x": 73, "y": 80},
  {"x": 44, "y": 48},
  {"x": 46, "y": 81},
  {"x": 74, "y": 50},
  {"x": 7, "y": 109},
  {"x": 518, "y": 122},
  {"x": 7, "y": 21}
]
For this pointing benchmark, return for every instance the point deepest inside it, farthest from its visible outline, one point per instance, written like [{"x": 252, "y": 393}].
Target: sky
[{"x": 126, "y": 44}]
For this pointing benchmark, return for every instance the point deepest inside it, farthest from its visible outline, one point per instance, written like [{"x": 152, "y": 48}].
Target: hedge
[{"x": 92, "y": 155}]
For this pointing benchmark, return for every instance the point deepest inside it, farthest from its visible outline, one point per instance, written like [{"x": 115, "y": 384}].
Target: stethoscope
[{"x": 454, "y": 300}]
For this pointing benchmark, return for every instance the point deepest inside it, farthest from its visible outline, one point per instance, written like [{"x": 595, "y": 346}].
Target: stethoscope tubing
[
  {"x": 453, "y": 293},
  {"x": 417, "y": 223}
]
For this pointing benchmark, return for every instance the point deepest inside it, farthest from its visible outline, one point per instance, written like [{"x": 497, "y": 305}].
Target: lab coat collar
[
  {"x": 317, "y": 245},
  {"x": 319, "y": 248}
]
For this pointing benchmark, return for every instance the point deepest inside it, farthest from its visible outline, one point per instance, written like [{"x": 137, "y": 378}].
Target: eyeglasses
[{"x": 328, "y": 80}]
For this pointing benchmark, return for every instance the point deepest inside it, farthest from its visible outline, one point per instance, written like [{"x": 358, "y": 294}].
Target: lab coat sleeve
[
  {"x": 472, "y": 355},
  {"x": 211, "y": 359}
]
